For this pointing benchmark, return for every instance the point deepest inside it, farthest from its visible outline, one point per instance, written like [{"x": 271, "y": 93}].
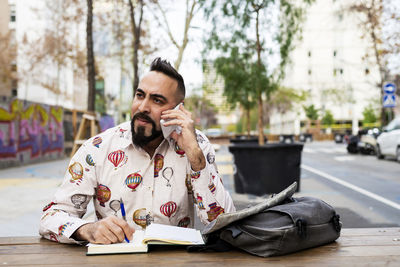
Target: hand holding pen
[
  {"x": 106, "y": 231},
  {"x": 121, "y": 203}
]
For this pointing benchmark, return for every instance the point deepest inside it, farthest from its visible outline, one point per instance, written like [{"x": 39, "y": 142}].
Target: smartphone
[{"x": 167, "y": 130}]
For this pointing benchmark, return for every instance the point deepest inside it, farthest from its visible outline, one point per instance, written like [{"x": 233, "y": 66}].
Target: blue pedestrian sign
[
  {"x": 389, "y": 96},
  {"x": 389, "y": 100}
]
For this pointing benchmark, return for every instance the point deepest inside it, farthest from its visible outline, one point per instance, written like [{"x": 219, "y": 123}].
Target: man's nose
[{"x": 144, "y": 106}]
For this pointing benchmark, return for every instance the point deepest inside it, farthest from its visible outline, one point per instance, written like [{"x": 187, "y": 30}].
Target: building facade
[
  {"x": 330, "y": 63},
  {"x": 49, "y": 56},
  {"x": 8, "y": 67},
  {"x": 213, "y": 86}
]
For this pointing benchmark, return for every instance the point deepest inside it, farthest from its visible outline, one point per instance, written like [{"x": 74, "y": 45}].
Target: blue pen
[{"x": 123, "y": 215}]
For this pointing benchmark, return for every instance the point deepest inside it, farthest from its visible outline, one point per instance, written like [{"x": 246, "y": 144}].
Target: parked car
[
  {"x": 367, "y": 143},
  {"x": 364, "y": 142},
  {"x": 213, "y": 132},
  {"x": 388, "y": 142}
]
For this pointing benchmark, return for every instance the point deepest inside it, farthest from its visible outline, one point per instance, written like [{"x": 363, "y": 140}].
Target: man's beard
[{"x": 139, "y": 138}]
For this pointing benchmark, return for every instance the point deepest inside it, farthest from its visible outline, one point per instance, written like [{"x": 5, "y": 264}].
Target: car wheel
[
  {"x": 378, "y": 153},
  {"x": 398, "y": 154}
]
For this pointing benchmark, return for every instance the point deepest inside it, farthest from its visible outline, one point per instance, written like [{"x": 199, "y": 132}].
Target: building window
[
  {"x": 366, "y": 71},
  {"x": 13, "y": 67},
  {"x": 334, "y": 72},
  {"x": 14, "y": 87},
  {"x": 309, "y": 53},
  {"x": 341, "y": 71},
  {"x": 334, "y": 53},
  {"x": 12, "y": 13},
  {"x": 309, "y": 71}
]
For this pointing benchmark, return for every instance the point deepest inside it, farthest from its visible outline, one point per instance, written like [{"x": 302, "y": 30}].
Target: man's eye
[
  {"x": 157, "y": 101},
  {"x": 139, "y": 95}
]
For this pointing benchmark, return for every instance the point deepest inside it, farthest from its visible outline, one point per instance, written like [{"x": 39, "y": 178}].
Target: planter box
[
  {"x": 266, "y": 169},
  {"x": 244, "y": 140}
]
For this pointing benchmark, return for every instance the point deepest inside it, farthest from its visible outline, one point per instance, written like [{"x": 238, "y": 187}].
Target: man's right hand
[{"x": 106, "y": 231}]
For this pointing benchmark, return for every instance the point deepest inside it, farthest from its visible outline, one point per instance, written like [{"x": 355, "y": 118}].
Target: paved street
[{"x": 365, "y": 191}]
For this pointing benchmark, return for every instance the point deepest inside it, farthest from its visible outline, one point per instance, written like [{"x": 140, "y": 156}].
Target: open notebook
[{"x": 154, "y": 234}]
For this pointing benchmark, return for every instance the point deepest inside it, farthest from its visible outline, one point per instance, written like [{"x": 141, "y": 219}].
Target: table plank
[{"x": 356, "y": 247}]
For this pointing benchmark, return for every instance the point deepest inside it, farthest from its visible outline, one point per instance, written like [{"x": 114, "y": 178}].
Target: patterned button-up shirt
[{"x": 162, "y": 189}]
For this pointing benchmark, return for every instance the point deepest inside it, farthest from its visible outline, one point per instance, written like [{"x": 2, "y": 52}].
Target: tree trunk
[
  {"x": 377, "y": 57},
  {"x": 136, "y": 29},
  {"x": 260, "y": 101},
  {"x": 248, "y": 128},
  {"x": 188, "y": 20},
  {"x": 90, "y": 57},
  {"x": 260, "y": 121}
]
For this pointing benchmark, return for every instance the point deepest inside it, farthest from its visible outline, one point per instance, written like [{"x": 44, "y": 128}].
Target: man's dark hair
[{"x": 161, "y": 65}]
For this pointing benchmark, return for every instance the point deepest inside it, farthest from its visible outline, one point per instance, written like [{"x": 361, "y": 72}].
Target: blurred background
[{"x": 320, "y": 73}]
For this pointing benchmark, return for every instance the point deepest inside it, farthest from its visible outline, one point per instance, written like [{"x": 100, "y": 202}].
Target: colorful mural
[{"x": 30, "y": 131}]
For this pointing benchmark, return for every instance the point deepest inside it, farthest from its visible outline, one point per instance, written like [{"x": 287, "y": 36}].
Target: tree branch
[{"x": 169, "y": 32}]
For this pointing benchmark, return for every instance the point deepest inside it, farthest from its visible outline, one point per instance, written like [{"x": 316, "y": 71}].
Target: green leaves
[
  {"x": 251, "y": 41},
  {"x": 311, "y": 112},
  {"x": 328, "y": 119}
]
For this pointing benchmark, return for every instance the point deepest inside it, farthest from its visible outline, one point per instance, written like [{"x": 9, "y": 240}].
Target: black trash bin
[{"x": 266, "y": 169}]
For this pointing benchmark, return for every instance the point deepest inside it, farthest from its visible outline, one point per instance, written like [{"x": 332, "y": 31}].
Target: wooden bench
[{"x": 355, "y": 247}]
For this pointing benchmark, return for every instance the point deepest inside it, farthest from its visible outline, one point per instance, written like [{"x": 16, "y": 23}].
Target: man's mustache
[{"x": 142, "y": 116}]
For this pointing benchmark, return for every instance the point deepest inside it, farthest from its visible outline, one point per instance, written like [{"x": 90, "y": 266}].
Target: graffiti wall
[{"x": 29, "y": 132}]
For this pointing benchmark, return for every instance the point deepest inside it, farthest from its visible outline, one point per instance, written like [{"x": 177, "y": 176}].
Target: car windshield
[{"x": 393, "y": 125}]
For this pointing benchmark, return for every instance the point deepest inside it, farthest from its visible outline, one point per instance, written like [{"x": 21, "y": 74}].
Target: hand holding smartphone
[{"x": 167, "y": 130}]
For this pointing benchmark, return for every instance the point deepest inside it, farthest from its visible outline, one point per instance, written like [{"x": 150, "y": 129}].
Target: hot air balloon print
[
  {"x": 214, "y": 211},
  {"x": 188, "y": 183},
  {"x": 76, "y": 171},
  {"x": 122, "y": 132},
  {"x": 48, "y": 206},
  {"x": 116, "y": 157},
  {"x": 115, "y": 205},
  {"x": 140, "y": 216},
  {"x": 178, "y": 150},
  {"x": 167, "y": 174},
  {"x": 103, "y": 194},
  {"x": 89, "y": 160},
  {"x": 62, "y": 228},
  {"x": 184, "y": 222},
  {"x": 133, "y": 180},
  {"x": 97, "y": 141},
  {"x": 195, "y": 175},
  {"x": 200, "y": 139},
  {"x": 210, "y": 158},
  {"x": 158, "y": 164},
  {"x": 53, "y": 237},
  {"x": 211, "y": 186},
  {"x": 78, "y": 200},
  {"x": 168, "y": 208},
  {"x": 199, "y": 201}
]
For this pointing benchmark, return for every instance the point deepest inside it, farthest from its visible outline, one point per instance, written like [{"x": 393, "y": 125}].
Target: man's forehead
[
  {"x": 156, "y": 75},
  {"x": 157, "y": 81}
]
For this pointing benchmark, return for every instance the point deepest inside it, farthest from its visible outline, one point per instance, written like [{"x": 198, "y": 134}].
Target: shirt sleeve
[
  {"x": 210, "y": 196},
  {"x": 63, "y": 216}
]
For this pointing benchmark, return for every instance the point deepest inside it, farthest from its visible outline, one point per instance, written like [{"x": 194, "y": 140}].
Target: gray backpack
[{"x": 278, "y": 226}]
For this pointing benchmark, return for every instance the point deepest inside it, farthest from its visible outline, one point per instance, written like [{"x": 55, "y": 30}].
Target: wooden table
[{"x": 355, "y": 247}]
